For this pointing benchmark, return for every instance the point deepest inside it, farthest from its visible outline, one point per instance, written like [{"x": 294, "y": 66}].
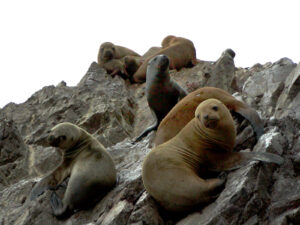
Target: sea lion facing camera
[
  {"x": 173, "y": 172},
  {"x": 184, "y": 111},
  {"x": 91, "y": 169},
  {"x": 162, "y": 91}
]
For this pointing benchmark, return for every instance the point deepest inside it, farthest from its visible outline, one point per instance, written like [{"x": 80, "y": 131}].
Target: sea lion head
[
  {"x": 158, "y": 66},
  {"x": 167, "y": 41},
  {"x": 64, "y": 135},
  {"x": 107, "y": 51},
  {"x": 213, "y": 114},
  {"x": 230, "y": 52}
]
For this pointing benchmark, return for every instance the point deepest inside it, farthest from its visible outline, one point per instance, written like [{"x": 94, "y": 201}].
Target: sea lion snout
[
  {"x": 108, "y": 55},
  {"x": 55, "y": 141},
  {"x": 52, "y": 140},
  {"x": 210, "y": 121},
  {"x": 163, "y": 62}
]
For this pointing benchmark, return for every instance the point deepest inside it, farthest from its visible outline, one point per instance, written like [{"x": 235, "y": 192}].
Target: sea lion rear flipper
[
  {"x": 145, "y": 132},
  {"x": 235, "y": 160},
  {"x": 252, "y": 116},
  {"x": 149, "y": 129}
]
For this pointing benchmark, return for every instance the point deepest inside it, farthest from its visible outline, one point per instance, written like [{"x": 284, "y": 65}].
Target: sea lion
[
  {"x": 132, "y": 64},
  {"x": 162, "y": 91},
  {"x": 181, "y": 53},
  {"x": 167, "y": 40},
  {"x": 108, "y": 51},
  {"x": 184, "y": 110},
  {"x": 91, "y": 169},
  {"x": 115, "y": 67},
  {"x": 111, "y": 58},
  {"x": 173, "y": 172}
]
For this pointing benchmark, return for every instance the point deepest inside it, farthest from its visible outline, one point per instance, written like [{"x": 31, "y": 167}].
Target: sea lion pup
[
  {"x": 181, "y": 53},
  {"x": 184, "y": 111},
  {"x": 132, "y": 64},
  {"x": 162, "y": 91},
  {"x": 173, "y": 172},
  {"x": 116, "y": 67},
  {"x": 91, "y": 169}
]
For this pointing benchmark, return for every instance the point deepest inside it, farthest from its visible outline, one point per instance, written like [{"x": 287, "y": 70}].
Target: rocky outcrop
[{"x": 115, "y": 111}]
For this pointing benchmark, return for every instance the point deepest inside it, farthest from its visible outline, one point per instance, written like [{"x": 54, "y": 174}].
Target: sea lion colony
[{"x": 195, "y": 136}]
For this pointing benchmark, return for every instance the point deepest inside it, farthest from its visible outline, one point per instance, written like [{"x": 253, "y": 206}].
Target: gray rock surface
[{"x": 115, "y": 111}]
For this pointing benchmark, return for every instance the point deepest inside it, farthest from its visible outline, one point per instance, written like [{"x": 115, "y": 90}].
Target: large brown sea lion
[
  {"x": 162, "y": 91},
  {"x": 91, "y": 169},
  {"x": 184, "y": 111},
  {"x": 174, "y": 172},
  {"x": 181, "y": 53}
]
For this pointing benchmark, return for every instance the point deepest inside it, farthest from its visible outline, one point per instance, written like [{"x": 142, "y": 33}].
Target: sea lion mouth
[
  {"x": 108, "y": 55},
  {"x": 210, "y": 123}
]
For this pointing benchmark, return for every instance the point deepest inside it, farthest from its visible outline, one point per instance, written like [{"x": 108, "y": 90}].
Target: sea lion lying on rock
[
  {"x": 183, "y": 112},
  {"x": 111, "y": 58},
  {"x": 180, "y": 51}
]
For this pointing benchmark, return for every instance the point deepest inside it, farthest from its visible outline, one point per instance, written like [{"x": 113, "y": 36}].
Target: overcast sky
[{"x": 45, "y": 42}]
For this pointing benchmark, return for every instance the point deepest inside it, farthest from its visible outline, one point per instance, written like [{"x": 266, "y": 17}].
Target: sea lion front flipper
[
  {"x": 252, "y": 116},
  {"x": 57, "y": 205},
  {"x": 227, "y": 161}
]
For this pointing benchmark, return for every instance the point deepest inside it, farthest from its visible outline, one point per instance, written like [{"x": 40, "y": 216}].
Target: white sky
[{"x": 45, "y": 42}]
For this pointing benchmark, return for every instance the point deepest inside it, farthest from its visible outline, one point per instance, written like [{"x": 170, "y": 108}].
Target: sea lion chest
[{"x": 161, "y": 96}]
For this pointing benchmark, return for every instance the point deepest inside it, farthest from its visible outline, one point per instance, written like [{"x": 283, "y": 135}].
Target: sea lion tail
[
  {"x": 252, "y": 116},
  {"x": 145, "y": 132}
]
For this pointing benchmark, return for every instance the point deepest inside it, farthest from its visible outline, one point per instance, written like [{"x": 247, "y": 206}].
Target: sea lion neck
[
  {"x": 77, "y": 148},
  {"x": 157, "y": 75},
  {"x": 195, "y": 135}
]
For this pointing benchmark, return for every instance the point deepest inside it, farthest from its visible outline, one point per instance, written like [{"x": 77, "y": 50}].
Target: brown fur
[
  {"x": 132, "y": 64},
  {"x": 173, "y": 172},
  {"x": 115, "y": 67},
  {"x": 92, "y": 171},
  {"x": 108, "y": 51},
  {"x": 183, "y": 112},
  {"x": 181, "y": 53}
]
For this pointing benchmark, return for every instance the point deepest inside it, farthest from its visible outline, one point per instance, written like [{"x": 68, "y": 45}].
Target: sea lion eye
[
  {"x": 113, "y": 48},
  {"x": 215, "y": 108},
  {"x": 198, "y": 117},
  {"x": 63, "y": 137}
]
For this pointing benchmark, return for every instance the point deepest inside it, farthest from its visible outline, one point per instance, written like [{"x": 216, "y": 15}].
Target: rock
[
  {"x": 115, "y": 111},
  {"x": 222, "y": 74},
  {"x": 13, "y": 154},
  {"x": 265, "y": 86},
  {"x": 289, "y": 100}
]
